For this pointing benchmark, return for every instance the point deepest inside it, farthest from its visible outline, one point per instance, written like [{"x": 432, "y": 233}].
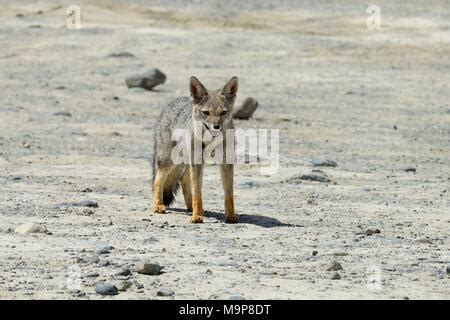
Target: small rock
[
  {"x": 313, "y": 176},
  {"x": 410, "y": 169},
  {"x": 164, "y": 292},
  {"x": 334, "y": 266},
  {"x": 370, "y": 232},
  {"x": 324, "y": 163},
  {"x": 315, "y": 252},
  {"x": 123, "y": 285},
  {"x": 31, "y": 227},
  {"x": 209, "y": 271},
  {"x": 106, "y": 289},
  {"x": 123, "y": 54},
  {"x": 62, "y": 114},
  {"x": 104, "y": 249},
  {"x": 246, "y": 110},
  {"x": 149, "y": 268},
  {"x": 335, "y": 276},
  {"x": 124, "y": 272},
  {"x": 103, "y": 262},
  {"x": 83, "y": 203},
  {"x": 88, "y": 259},
  {"x": 243, "y": 183},
  {"x": 448, "y": 269},
  {"x": 92, "y": 275},
  {"x": 147, "y": 80}
]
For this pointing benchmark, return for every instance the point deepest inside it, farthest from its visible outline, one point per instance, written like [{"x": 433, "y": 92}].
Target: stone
[
  {"x": 103, "y": 262},
  {"x": 334, "y": 266},
  {"x": 324, "y": 163},
  {"x": 448, "y": 269},
  {"x": 123, "y": 54},
  {"x": 83, "y": 203},
  {"x": 88, "y": 259},
  {"x": 335, "y": 276},
  {"x": 62, "y": 114},
  {"x": 246, "y": 110},
  {"x": 370, "y": 232},
  {"x": 149, "y": 268},
  {"x": 123, "y": 285},
  {"x": 410, "y": 169},
  {"x": 31, "y": 227},
  {"x": 124, "y": 272},
  {"x": 106, "y": 289},
  {"x": 104, "y": 249},
  {"x": 92, "y": 275},
  {"x": 164, "y": 292},
  {"x": 147, "y": 80},
  {"x": 313, "y": 176}
]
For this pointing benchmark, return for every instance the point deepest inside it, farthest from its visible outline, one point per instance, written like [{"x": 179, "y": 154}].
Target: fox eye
[
  {"x": 205, "y": 113},
  {"x": 224, "y": 112}
]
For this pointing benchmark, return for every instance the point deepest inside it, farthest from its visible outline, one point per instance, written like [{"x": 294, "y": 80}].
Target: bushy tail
[{"x": 171, "y": 185}]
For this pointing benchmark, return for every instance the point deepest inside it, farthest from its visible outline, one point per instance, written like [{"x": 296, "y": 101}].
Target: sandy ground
[{"x": 374, "y": 101}]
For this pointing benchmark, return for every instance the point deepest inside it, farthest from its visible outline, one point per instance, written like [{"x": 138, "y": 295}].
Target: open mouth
[{"x": 213, "y": 132}]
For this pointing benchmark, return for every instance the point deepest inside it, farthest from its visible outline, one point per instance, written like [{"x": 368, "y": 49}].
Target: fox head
[{"x": 213, "y": 108}]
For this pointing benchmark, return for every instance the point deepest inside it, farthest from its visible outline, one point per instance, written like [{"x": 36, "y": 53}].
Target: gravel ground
[{"x": 76, "y": 144}]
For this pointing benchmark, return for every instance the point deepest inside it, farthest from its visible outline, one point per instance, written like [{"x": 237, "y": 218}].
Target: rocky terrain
[{"x": 368, "y": 108}]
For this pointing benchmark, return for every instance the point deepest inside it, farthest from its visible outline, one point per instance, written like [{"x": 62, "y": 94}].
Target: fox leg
[
  {"x": 186, "y": 187},
  {"x": 226, "y": 173},
  {"x": 196, "y": 175},
  {"x": 158, "y": 187}
]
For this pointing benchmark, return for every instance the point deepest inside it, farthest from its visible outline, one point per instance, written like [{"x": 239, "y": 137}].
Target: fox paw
[
  {"x": 159, "y": 208},
  {"x": 231, "y": 219},
  {"x": 196, "y": 219}
]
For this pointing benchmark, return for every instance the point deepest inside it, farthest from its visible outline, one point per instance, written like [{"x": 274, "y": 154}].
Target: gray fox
[{"x": 211, "y": 112}]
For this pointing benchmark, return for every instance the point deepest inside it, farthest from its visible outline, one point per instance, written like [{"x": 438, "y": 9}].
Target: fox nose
[{"x": 216, "y": 126}]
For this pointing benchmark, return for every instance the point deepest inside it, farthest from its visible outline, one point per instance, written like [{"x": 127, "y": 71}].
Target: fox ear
[
  {"x": 231, "y": 88},
  {"x": 198, "y": 90}
]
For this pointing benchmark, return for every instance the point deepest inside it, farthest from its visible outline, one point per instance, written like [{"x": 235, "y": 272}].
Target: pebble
[
  {"x": 313, "y": 176},
  {"x": 103, "y": 262},
  {"x": 448, "y": 269},
  {"x": 334, "y": 266},
  {"x": 104, "y": 249},
  {"x": 124, "y": 272},
  {"x": 88, "y": 259},
  {"x": 31, "y": 227},
  {"x": 324, "y": 163},
  {"x": 243, "y": 183},
  {"x": 246, "y": 110},
  {"x": 92, "y": 275},
  {"x": 62, "y": 113},
  {"x": 335, "y": 276},
  {"x": 106, "y": 289},
  {"x": 123, "y": 285},
  {"x": 370, "y": 232},
  {"x": 83, "y": 203},
  {"x": 147, "y": 80},
  {"x": 410, "y": 169},
  {"x": 164, "y": 292},
  {"x": 123, "y": 54},
  {"x": 149, "y": 268}
]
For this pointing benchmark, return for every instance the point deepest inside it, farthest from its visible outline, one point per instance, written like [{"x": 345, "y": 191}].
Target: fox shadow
[{"x": 257, "y": 220}]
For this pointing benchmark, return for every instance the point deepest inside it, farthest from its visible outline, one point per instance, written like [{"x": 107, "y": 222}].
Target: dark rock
[
  {"x": 335, "y": 276},
  {"x": 324, "y": 163},
  {"x": 147, "y": 80},
  {"x": 149, "y": 268},
  {"x": 164, "y": 292},
  {"x": 448, "y": 269},
  {"x": 83, "y": 203},
  {"x": 410, "y": 169},
  {"x": 124, "y": 272},
  {"x": 246, "y": 110},
  {"x": 104, "y": 249},
  {"x": 334, "y": 266},
  {"x": 370, "y": 232},
  {"x": 92, "y": 275},
  {"x": 315, "y": 252},
  {"x": 123, "y": 54},
  {"x": 63, "y": 114},
  {"x": 313, "y": 176},
  {"x": 106, "y": 289}
]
